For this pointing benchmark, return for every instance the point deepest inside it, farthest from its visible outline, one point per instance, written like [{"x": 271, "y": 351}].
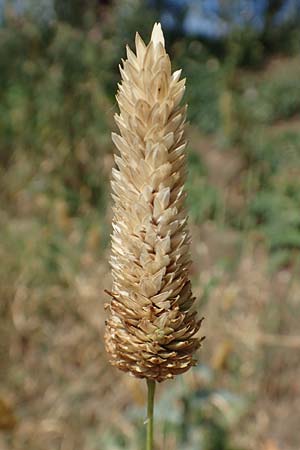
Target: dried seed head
[{"x": 151, "y": 330}]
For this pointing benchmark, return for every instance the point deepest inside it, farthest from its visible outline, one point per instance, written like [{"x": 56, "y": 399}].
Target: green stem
[{"x": 150, "y": 408}]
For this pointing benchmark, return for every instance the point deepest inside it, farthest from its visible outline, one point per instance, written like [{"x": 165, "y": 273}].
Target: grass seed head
[{"x": 151, "y": 329}]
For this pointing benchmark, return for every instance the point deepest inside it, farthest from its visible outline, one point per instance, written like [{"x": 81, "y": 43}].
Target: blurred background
[{"x": 58, "y": 76}]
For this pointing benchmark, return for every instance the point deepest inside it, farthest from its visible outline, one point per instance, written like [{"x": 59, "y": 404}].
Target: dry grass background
[
  {"x": 57, "y": 389},
  {"x": 57, "y": 385}
]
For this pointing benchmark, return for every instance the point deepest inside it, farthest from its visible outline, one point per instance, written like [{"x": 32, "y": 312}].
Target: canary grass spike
[{"x": 152, "y": 325}]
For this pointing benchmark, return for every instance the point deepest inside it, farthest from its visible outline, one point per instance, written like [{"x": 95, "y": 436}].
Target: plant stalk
[{"x": 150, "y": 408}]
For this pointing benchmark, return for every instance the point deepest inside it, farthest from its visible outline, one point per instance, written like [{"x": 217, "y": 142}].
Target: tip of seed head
[{"x": 157, "y": 35}]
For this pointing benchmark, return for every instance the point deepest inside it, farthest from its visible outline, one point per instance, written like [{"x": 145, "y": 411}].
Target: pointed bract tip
[{"x": 157, "y": 35}]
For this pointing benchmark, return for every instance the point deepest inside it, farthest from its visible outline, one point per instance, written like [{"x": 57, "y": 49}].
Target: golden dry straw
[{"x": 151, "y": 329}]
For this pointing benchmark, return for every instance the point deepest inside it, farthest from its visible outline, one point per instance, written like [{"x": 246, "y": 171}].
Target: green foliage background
[{"x": 57, "y": 84}]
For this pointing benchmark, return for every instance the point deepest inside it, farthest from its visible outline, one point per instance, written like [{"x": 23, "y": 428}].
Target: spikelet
[{"x": 150, "y": 332}]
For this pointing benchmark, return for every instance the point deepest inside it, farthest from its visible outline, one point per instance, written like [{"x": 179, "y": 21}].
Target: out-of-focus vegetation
[{"x": 57, "y": 84}]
